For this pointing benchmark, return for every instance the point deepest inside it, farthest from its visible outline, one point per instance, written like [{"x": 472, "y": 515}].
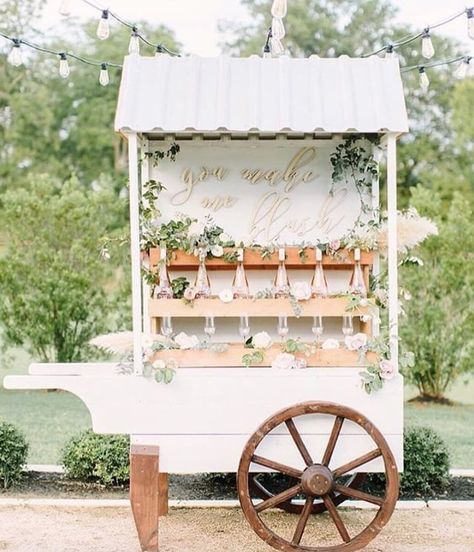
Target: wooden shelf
[
  {"x": 233, "y": 357},
  {"x": 331, "y": 306},
  {"x": 343, "y": 260}
]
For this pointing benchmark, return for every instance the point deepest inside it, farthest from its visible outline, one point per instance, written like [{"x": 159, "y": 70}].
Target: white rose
[
  {"x": 356, "y": 342},
  {"x": 185, "y": 341},
  {"x": 284, "y": 361},
  {"x": 301, "y": 291},
  {"x": 217, "y": 250},
  {"x": 262, "y": 340},
  {"x": 224, "y": 238},
  {"x": 226, "y": 296},
  {"x": 330, "y": 344},
  {"x": 196, "y": 229},
  {"x": 387, "y": 369},
  {"x": 159, "y": 364}
]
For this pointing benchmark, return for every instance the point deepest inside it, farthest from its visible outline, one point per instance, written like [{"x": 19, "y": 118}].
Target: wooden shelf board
[
  {"x": 181, "y": 261},
  {"x": 233, "y": 357},
  {"x": 331, "y": 306}
]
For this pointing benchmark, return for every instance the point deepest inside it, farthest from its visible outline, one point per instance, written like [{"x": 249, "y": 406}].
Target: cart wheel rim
[{"x": 327, "y": 488}]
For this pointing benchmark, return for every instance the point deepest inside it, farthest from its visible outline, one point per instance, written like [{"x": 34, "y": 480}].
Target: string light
[
  {"x": 278, "y": 28},
  {"x": 63, "y": 66},
  {"x": 104, "y": 75},
  {"x": 427, "y": 48},
  {"x": 103, "y": 28},
  {"x": 134, "y": 44},
  {"x": 15, "y": 56},
  {"x": 276, "y": 46},
  {"x": 279, "y": 8},
  {"x": 463, "y": 69},
  {"x": 65, "y": 8},
  {"x": 424, "y": 80},
  {"x": 390, "y": 52},
  {"x": 470, "y": 22}
]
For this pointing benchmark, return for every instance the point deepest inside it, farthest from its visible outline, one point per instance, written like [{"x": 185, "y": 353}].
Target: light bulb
[
  {"x": 279, "y": 8},
  {"x": 470, "y": 22},
  {"x": 103, "y": 28},
  {"x": 266, "y": 51},
  {"x": 63, "y": 66},
  {"x": 134, "y": 44},
  {"x": 424, "y": 80},
  {"x": 104, "y": 75},
  {"x": 390, "y": 52},
  {"x": 461, "y": 71},
  {"x": 276, "y": 46},
  {"x": 470, "y": 72},
  {"x": 65, "y": 8},
  {"x": 15, "y": 57},
  {"x": 278, "y": 28},
  {"x": 159, "y": 51},
  {"x": 427, "y": 49}
]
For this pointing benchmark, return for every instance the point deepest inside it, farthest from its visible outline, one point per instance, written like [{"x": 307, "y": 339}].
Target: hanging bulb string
[
  {"x": 407, "y": 39},
  {"x": 133, "y": 28},
  {"x": 55, "y": 53},
  {"x": 437, "y": 63}
]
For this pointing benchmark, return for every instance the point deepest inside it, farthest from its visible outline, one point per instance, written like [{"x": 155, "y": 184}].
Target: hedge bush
[
  {"x": 100, "y": 458},
  {"x": 13, "y": 454}
]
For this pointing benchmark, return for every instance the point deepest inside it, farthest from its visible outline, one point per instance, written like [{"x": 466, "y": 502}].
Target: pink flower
[
  {"x": 356, "y": 342},
  {"x": 189, "y": 294},
  {"x": 387, "y": 369},
  {"x": 334, "y": 245}
]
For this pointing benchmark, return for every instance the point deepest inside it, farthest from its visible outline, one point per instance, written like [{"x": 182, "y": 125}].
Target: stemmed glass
[
  {"x": 209, "y": 327},
  {"x": 283, "y": 326},
  {"x": 317, "y": 327},
  {"x": 244, "y": 327},
  {"x": 167, "y": 326},
  {"x": 347, "y": 327}
]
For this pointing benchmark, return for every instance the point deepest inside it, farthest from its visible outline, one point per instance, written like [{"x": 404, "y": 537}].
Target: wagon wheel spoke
[
  {"x": 336, "y": 518},
  {"x": 357, "y": 462},
  {"x": 278, "y": 499},
  {"x": 303, "y": 520},
  {"x": 290, "y": 424},
  {"x": 336, "y": 430},
  {"x": 271, "y": 464},
  {"x": 359, "y": 495}
]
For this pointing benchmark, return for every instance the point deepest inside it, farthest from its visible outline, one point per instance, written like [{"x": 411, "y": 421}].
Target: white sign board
[{"x": 259, "y": 191}]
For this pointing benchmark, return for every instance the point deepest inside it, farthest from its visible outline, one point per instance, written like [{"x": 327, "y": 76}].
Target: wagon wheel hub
[{"x": 317, "y": 480}]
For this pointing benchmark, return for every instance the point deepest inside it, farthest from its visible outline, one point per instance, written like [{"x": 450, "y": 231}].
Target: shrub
[
  {"x": 13, "y": 454},
  {"x": 101, "y": 458},
  {"x": 426, "y": 462}
]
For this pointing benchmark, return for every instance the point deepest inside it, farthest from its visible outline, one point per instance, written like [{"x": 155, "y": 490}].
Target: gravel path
[{"x": 40, "y": 529}]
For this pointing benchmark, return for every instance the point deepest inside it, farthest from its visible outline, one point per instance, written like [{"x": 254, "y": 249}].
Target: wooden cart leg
[{"x": 148, "y": 494}]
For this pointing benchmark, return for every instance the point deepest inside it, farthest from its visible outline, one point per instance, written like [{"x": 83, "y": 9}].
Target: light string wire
[
  {"x": 407, "y": 39},
  {"x": 466, "y": 59},
  {"x": 158, "y": 47},
  {"x": 93, "y": 62}
]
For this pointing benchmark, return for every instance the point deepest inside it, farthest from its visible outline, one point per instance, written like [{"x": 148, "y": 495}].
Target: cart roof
[{"x": 164, "y": 94}]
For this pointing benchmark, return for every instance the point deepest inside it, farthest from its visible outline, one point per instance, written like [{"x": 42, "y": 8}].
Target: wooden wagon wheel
[
  {"x": 317, "y": 480},
  {"x": 257, "y": 488}
]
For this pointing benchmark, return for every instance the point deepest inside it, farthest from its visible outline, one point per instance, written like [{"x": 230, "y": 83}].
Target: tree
[
  {"x": 439, "y": 327},
  {"x": 52, "y": 281}
]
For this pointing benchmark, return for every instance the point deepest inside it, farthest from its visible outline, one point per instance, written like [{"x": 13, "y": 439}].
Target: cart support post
[
  {"x": 392, "y": 245},
  {"x": 148, "y": 494}
]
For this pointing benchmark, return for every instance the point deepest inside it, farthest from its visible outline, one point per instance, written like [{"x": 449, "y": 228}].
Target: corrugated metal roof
[{"x": 171, "y": 94}]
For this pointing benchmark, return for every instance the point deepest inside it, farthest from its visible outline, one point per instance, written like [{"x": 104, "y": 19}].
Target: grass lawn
[{"x": 49, "y": 419}]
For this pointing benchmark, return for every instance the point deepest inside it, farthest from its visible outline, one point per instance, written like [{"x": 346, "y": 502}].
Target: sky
[{"x": 195, "y": 21}]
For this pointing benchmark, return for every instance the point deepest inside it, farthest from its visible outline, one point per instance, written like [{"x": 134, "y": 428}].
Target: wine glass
[
  {"x": 167, "y": 326},
  {"x": 244, "y": 327},
  {"x": 317, "y": 327},
  {"x": 283, "y": 326},
  {"x": 209, "y": 327},
  {"x": 347, "y": 327}
]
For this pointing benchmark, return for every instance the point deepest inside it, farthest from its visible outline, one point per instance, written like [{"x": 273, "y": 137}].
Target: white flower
[
  {"x": 330, "y": 344},
  {"x": 226, "y": 296},
  {"x": 262, "y": 340},
  {"x": 356, "y": 342},
  {"x": 159, "y": 364},
  {"x": 284, "y": 361},
  {"x": 224, "y": 238},
  {"x": 196, "y": 229},
  {"x": 217, "y": 250},
  {"x": 365, "y": 317},
  {"x": 300, "y": 363},
  {"x": 387, "y": 369},
  {"x": 301, "y": 291},
  {"x": 185, "y": 341}
]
